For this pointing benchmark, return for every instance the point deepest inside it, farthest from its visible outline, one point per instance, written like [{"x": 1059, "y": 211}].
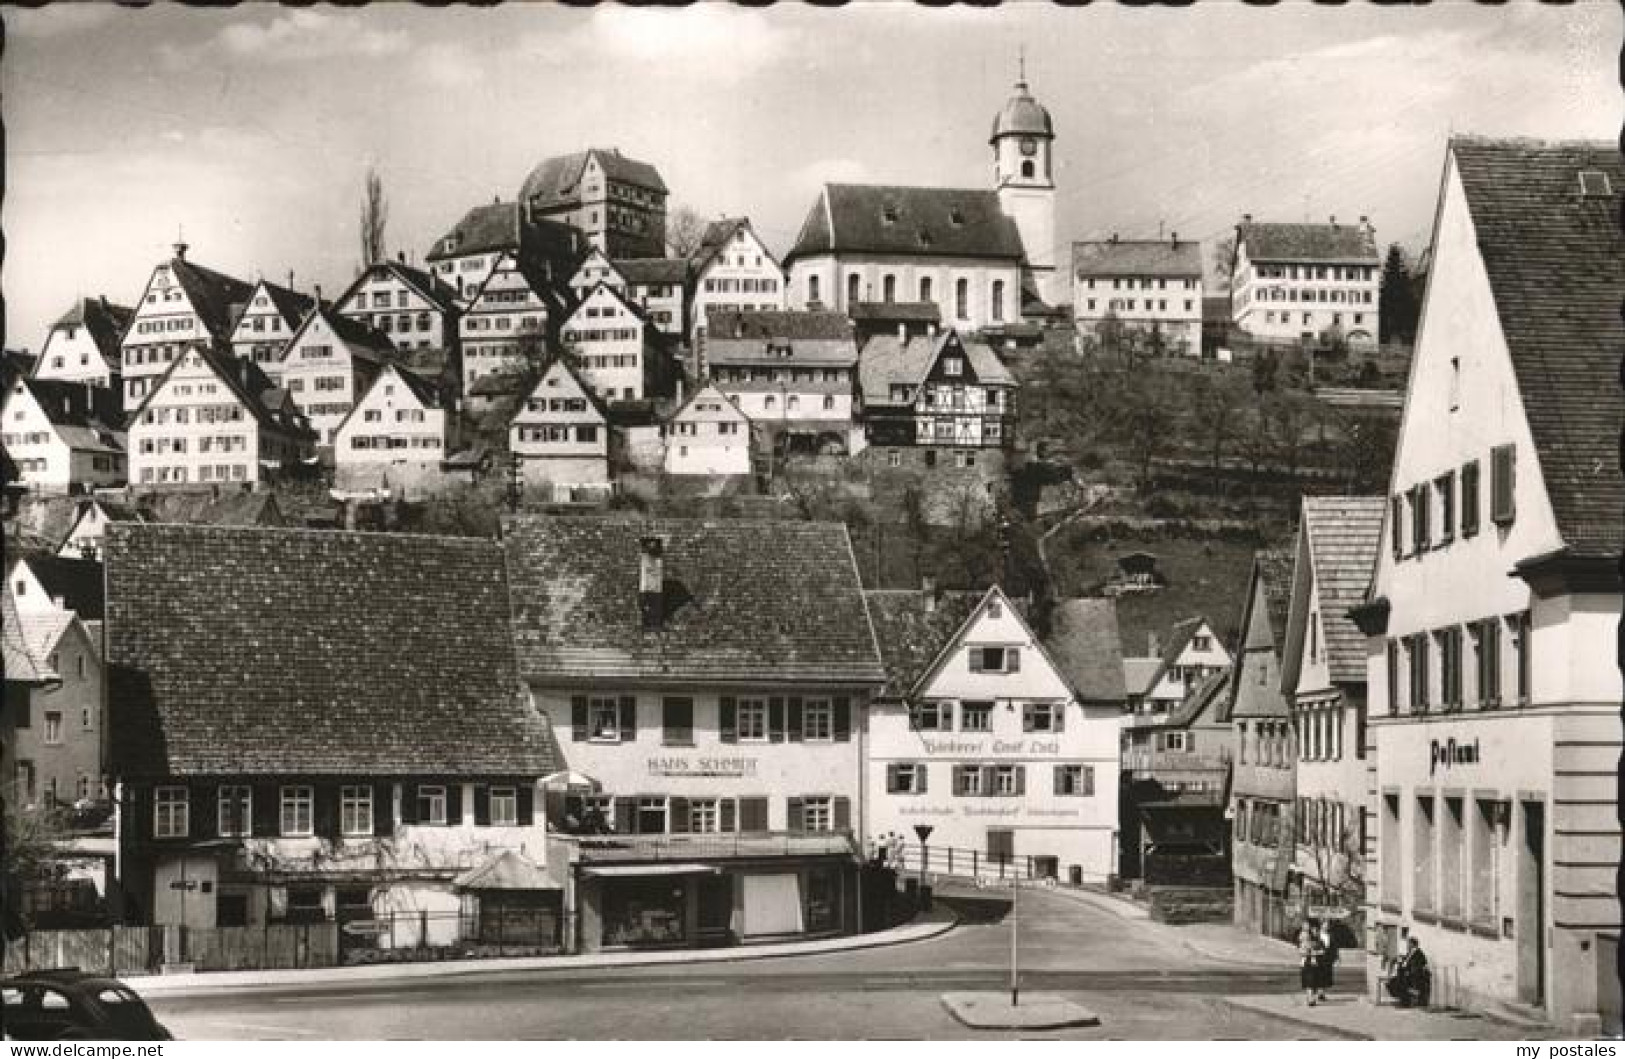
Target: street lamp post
[{"x": 1015, "y": 941}]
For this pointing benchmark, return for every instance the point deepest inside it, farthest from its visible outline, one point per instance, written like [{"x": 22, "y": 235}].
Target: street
[{"x": 1140, "y": 977}]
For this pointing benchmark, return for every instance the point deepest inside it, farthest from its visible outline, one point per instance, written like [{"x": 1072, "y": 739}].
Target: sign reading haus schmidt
[{"x": 731, "y": 767}]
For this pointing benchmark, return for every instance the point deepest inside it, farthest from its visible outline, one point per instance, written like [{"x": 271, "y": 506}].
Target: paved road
[{"x": 1139, "y": 976}]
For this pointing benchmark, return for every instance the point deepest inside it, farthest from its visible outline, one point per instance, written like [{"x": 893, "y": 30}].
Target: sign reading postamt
[
  {"x": 1448, "y": 752},
  {"x": 721, "y": 767}
]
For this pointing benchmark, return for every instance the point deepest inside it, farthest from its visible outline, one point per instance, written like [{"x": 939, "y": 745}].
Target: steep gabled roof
[
  {"x": 709, "y": 391},
  {"x": 288, "y": 652},
  {"x": 215, "y": 296},
  {"x": 745, "y": 601},
  {"x": 209, "y": 508},
  {"x": 1556, "y": 265},
  {"x": 502, "y": 226},
  {"x": 1343, "y": 535},
  {"x": 86, "y": 417},
  {"x": 885, "y": 362},
  {"x": 431, "y": 288},
  {"x": 648, "y": 271},
  {"x": 362, "y": 337},
  {"x": 914, "y": 221},
  {"x": 781, "y": 338},
  {"x": 1137, "y": 257},
  {"x": 20, "y": 666},
  {"x": 564, "y": 367},
  {"x": 105, "y": 321},
  {"x": 1271, "y": 581},
  {"x": 76, "y": 582},
  {"x": 1313, "y": 243},
  {"x": 247, "y": 382},
  {"x": 912, "y": 628},
  {"x": 1086, "y": 647},
  {"x": 557, "y": 181}
]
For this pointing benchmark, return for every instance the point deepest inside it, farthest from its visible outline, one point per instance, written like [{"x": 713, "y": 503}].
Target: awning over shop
[{"x": 625, "y": 871}]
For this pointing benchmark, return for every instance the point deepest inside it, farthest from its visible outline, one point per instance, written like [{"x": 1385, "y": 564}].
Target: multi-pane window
[
  {"x": 995, "y": 659},
  {"x": 53, "y": 727},
  {"x": 818, "y": 814},
  {"x": 976, "y": 716},
  {"x": 651, "y": 815},
  {"x": 504, "y": 806},
  {"x": 1005, "y": 779},
  {"x": 905, "y": 777},
  {"x": 703, "y": 818},
  {"x": 1041, "y": 717},
  {"x": 236, "y": 811},
  {"x": 298, "y": 811},
  {"x": 170, "y": 812},
  {"x": 604, "y": 719},
  {"x": 431, "y": 804},
  {"x": 967, "y": 779},
  {"x": 752, "y": 720},
  {"x": 817, "y": 720},
  {"x": 932, "y": 716},
  {"x": 1075, "y": 780},
  {"x": 355, "y": 811}
]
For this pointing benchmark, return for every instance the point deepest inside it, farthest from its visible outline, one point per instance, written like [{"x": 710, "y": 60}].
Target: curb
[
  {"x": 1299, "y": 1020},
  {"x": 1287, "y": 962},
  {"x": 159, "y": 986}
]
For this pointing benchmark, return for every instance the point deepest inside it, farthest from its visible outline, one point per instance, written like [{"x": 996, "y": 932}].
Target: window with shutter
[
  {"x": 1445, "y": 487},
  {"x": 1469, "y": 499},
  {"x": 1503, "y": 476},
  {"x": 1396, "y": 527},
  {"x": 727, "y": 723},
  {"x": 726, "y": 814},
  {"x": 842, "y": 707},
  {"x": 628, "y": 707},
  {"x": 578, "y": 718},
  {"x": 482, "y": 805}
]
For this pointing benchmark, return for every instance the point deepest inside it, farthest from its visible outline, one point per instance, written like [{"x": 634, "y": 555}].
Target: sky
[{"x": 251, "y": 129}]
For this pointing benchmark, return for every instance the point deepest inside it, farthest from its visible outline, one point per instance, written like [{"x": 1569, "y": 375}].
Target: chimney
[
  {"x": 1246, "y": 218},
  {"x": 1333, "y": 220},
  {"x": 1176, "y": 238},
  {"x": 400, "y": 256},
  {"x": 1153, "y": 645},
  {"x": 1113, "y": 239},
  {"x": 290, "y": 279},
  {"x": 928, "y": 587},
  {"x": 318, "y": 294},
  {"x": 180, "y": 251},
  {"x": 651, "y": 580}
]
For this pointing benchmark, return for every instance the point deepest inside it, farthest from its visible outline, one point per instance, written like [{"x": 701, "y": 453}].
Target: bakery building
[
  {"x": 1493, "y": 686},
  {"x": 709, "y": 684}
]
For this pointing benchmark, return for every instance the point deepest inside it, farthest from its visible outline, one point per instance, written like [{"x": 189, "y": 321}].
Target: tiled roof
[
  {"x": 1556, "y": 265},
  {"x": 1206, "y": 695},
  {"x": 1343, "y": 534},
  {"x": 776, "y": 323},
  {"x": 501, "y": 226},
  {"x": 77, "y": 582},
  {"x": 897, "y": 312},
  {"x": 215, "y": 296},
  {"x": 763, "y": 338},
  {"x": 646, "y": 271},
  {"x": 359, "y": 335},
  {"x": 248, "y": 383},
  {"x": 935, "y": 222},
  {"x": 885, "y": 362},
  {"x": 73, "y": 404},
  {"x": 20, "y": 667},
  {"x": 1319, "y": 243},
  {"x": 1085, "y": 645},
  {"x": 1275, "y": 570},
  {"x": 745, "y": 601},
  {"x": 290, "y": 304},
  {"x": 1138, "y": 257},
  {"x": 42, "y": 629},
  {"x": 1140, "y": 674},
  {"x": 556, "y": 181},
  {"x": 314, "y": 652},
  {"x": 909, "y": 636},
  {"x": 718, "y": 234},
  {"x": 105, "y": 321},
  {"x": 208, "y": 508}
]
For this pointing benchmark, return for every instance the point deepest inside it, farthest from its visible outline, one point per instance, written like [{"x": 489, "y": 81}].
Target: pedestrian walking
[
  {"x": 1309, "y": 949},
  {"x": 1326, "y": 961}
]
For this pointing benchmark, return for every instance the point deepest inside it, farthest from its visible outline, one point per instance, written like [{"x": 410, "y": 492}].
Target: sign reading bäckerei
[
  {"x": 1448, "y": 752},
  {"x": 736, "y": 767},
  {"x": 983, "y": 747}
]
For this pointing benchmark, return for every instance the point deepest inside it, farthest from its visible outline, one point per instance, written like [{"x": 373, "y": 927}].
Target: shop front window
[
  {"x": 822, "y": 901},
  {"x": 643, "y": 912},
  {"x": 651, "y": 816}
]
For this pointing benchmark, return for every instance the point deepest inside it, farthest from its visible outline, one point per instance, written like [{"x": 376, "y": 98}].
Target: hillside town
[{"x": 597, "y": 579}]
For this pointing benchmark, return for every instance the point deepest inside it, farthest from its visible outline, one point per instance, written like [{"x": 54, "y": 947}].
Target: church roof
[
  {"x": 885, "y": 219},
  {"x": 1022, "y": 115}
]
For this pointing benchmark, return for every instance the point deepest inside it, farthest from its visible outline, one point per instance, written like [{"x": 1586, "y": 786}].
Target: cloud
[
  {"x": 303, "y": 35},
  {"x": 450, "y": 65},
  {"x": 58, "y": 20},
  {"x": 709, "y": 41},
  {"x": 814, "y": 175}
]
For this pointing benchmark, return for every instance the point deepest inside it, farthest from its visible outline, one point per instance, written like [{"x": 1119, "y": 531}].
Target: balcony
[{"x": 606, "y": 849}]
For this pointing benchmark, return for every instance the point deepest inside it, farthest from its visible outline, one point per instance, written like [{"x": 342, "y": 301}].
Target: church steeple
[{"x": 1022, "y": 141}]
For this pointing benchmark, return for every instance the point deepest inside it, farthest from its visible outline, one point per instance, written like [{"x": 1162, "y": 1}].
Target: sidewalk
[
  {"x": 1232, "y": 944},
  {"x": 1356, "y": 1018},
  {"x": 931, "y": 925},
  {"x": 1105, "y": 902}
]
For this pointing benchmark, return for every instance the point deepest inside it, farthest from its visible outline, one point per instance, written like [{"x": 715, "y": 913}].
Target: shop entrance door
[{"x": 1531, "y": 923}]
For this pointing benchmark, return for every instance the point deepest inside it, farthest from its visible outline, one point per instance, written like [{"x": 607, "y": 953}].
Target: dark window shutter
[
  {"x": 1469, "y": 499},
  {"x": 25, "y": 718},
  {"x": 454, "y": 804},
  {"x": 775, "y": 720},
  {"x": 678, "y": 719},
  {"x": 1503, "y": 481},
  {"x": 409, "y": 803},
  {"x": 326, "y": 810},
  {"x": 843, "y": 814},
  {"x": 728, "y": 722},
  {"x": 1027, "y": 716},
  {"x": 1089, "y": 780},
  {"x": 843, "y": 719},
  {"x": 383, "y": 809},
  {"x": 793, "y": 725},
  {"x": 578, "y": 718},
  {"x": 990, "y": 776},
  {"x": 1012, "y": 659},
  {"x": 482, "y": 805},
  {"x": 892, "y": 786},
  {"x": 204, "y": 812},
  {"x": 1060, "y": 779},
  {"x": 753, "y": 814},
  {"x": 921, "y": 772},
  {"x": 1058, "y": 717},
  {"x": 793, "y": 815},
  {"x": 975, "y": 655},
  {"x": 624, "y": 816},
  {"x": 677, "y": 816},
  {"x": 629, "y": 719},
  {"x": 1396, "y": 535},
  {"x": 959, "y": 779},
  {"x": 1021, "y": 779},
  {"x": 725, "y": 815},
  {"x": 525, "y": 809}
]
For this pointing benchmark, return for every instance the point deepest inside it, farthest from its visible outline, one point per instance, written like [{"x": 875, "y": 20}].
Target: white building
[
  {"x": 83, "y": 345},
  {"x": 560, "y": 435},
  {"x": 414, "y": 309},
  {"x": 510, "y": 316},
  {"x": 1174, "y": 667},
  {"x": 1493, "y": 610},
  {"x": 464, "y": 258},
  {"x": 271, "y": 317},
  {"x": 63, "y": 436},
  {"x": 183, "y": 306},
  {"x": 396, "y": 437},
  {"x": 1153, "y": 286},
  {"x": 213, "y": 419},
  {"x": 618, "y": 351},
  {"x": 327, "y": 364},
  {"x": 733, "y": 271},
  {"x": 708, "y": 435},
  {"x": 792, "y": 373},
  {"x": 1306, "y": 282},
  {"x": 1005, "y": 751}
]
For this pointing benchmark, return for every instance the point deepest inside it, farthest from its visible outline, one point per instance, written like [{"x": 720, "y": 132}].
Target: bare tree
[
  {"x": 685, "y": 229},
  {"x": 374, "y": 219},
  {"x": 1215, "y": 410}
]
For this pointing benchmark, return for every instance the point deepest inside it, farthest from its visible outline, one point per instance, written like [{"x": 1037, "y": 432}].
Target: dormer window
[
  {"x": 1594, "y": 184},
  {"x": 956, "y": 216},
  {"x": 888, "y": 213}
]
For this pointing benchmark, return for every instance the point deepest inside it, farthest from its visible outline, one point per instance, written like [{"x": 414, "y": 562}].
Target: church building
[{"x": 986, "y": 258}]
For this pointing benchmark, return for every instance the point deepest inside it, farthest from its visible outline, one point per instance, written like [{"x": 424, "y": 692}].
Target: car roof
[{"x": 63, "y": 976}]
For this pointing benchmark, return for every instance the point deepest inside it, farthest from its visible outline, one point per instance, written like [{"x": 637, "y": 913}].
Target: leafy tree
[
  {"x": 1145, "y": 417},
  {"x": 1214, "y": 410},
  {"x": 30, "y": 858},
  {"x": 685, "y": 228},
  {"x": 1266, "y": 371},
  {"x": 1398, "y": 305},
  {"x": 1219, "y": 275},
  {"x": 1365, "y": 453},
  {"x": 1287, "y": 415},
  {"x": 374, "y": 220}
]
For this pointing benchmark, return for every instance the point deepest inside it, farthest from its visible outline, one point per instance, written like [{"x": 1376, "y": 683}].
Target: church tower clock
[{"x": 1023, "y": 140}]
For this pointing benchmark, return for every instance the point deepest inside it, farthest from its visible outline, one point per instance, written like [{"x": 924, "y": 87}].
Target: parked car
[{"x": 67, "y": 1004}]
